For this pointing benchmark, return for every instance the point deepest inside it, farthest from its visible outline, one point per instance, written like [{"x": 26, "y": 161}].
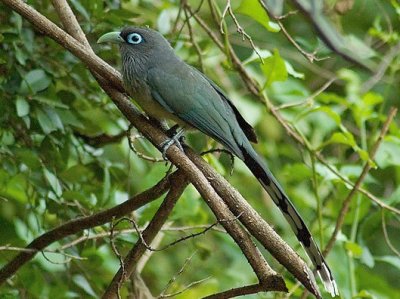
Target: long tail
[{"x": 270, "y": 184}]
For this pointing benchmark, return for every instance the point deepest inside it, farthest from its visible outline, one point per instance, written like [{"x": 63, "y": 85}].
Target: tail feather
[{"x": 270, "y": 184}]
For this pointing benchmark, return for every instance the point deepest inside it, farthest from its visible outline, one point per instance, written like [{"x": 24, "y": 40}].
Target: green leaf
[
  {"x": 81, "y": 9},
  {"x": 53, "y": 181},
  {"x": 82, "y": 282},
  {"x": 274, "y": 69},
  {"x": 367, "y": 258},
  {"x": 34, "y": 81},
  {"x": 20, "y": 55},
  {"x": 22, "y": 106},
  {"x": 392, "y": 260},
  {"x": 342, "y": 138},
  {"x": 388, "y": 153},
  {"x": 48, "y": 102},
  {"x": 7, "y": 138},
  {"x": 372, "y": 98},
  {"x": 76, "y": 174},
  {"x": 291, "y": 71},
  {"x": 45, "y": 122},
  {"x": 325, "y": 109},
  {"x": 364, "y": 294},
  {"x": 354, "y": 248},
  {"x": 297, "y": 172},
  {"x": 53, "y": 116},
  {"x": 254, "y": 10},
  {"x": 74, "y": 195},
  {"x": 356, "y": 45},
  {"x": 106, "y": 185},
  {"x": 365, "y": 157}
]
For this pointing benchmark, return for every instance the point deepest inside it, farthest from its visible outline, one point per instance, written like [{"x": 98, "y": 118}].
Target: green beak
[{"x": 111, "y": 37}]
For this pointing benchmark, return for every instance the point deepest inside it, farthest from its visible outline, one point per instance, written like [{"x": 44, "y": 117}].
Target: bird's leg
[{"x": 175, "y": 134}]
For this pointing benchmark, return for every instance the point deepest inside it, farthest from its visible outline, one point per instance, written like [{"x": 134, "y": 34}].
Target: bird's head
[
  {"x": 137, "y": 41},
  {"x": 141, "y": 48}
]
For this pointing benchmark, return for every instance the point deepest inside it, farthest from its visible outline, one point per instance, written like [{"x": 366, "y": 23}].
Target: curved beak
[{"x": 111, "y": 37}]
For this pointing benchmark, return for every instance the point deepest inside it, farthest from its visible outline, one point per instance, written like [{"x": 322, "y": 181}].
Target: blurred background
[{"x": 64, "y": 151}]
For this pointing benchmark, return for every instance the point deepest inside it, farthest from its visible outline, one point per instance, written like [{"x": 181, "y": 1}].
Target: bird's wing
[
  {"x": 187, "y": 94},
  {"x": 246, "y": 127}
]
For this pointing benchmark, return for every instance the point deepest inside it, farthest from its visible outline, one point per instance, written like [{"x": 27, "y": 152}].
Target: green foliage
[{"x": 54, "y": 166}]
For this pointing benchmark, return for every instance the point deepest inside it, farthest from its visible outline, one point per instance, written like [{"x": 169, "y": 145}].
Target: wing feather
[{"x": 197, "y": 103}]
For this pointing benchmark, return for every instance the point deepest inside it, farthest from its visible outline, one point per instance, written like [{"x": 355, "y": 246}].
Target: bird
[{"x": 167, "y": 88}]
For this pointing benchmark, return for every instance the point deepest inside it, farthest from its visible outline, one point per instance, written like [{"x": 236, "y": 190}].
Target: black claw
[
  {"x": 176, "y": 139},
  {"x": 171, "y": 132}
]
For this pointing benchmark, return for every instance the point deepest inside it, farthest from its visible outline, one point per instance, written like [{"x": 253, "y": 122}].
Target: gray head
[{"x": 140, "y": 49}]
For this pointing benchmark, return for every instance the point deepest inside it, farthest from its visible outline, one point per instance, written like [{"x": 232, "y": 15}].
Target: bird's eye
[{"x": 134, "y": 38}]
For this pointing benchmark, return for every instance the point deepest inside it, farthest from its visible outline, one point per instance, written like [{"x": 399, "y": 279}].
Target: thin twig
[
  {"x": 381, "y": 69},
  {"x": 173, "y": 278},
  {"x": 191, "y": 236},
  {"x": 116, "y": 233},
  {"x": 132, "y": 137},
  {"x": 222, "y": 150},
  {"x": 239, "y": 28},
  {"x": 190, "y": 285},
  {"x": 311, "y": 57},
  {"x": 309, "y": 100},
  {"x": 32, "y": 250},
  {"x": 118, "y": 255},
  {"x": 192, "y": 39},
  {"x": 386, "y": 235}
]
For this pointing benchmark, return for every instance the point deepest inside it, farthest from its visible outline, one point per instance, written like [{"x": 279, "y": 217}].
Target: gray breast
[{"x": 134, "y": 72}]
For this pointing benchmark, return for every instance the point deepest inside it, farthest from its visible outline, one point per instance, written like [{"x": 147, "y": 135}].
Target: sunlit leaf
[
  {"x": 45, "y": 122},
  {"x": 53, "y": 181},
  {"x": 22, "y": 106},
  {"x": 82, "y": 282},
  {"x": 274, "y": 69},
  {"x": 354, "y": 248},
  {"x": 391, "y": 260},
  {"x": 35, "y": 81},
  {"x": 254, "y": 10}
]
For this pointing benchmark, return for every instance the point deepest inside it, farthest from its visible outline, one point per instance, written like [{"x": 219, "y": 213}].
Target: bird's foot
[{"x": 176, "y": 138}]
